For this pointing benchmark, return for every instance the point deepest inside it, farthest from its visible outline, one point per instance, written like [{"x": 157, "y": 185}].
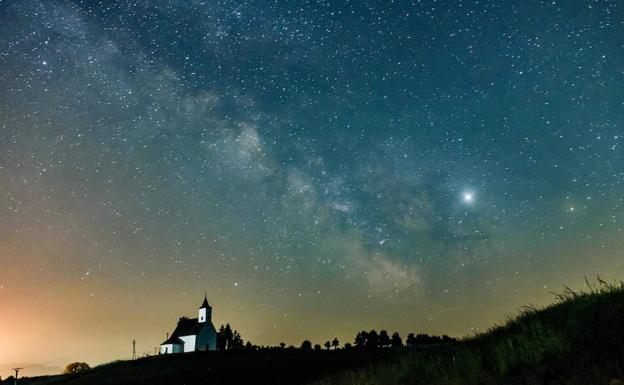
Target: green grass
[{"x": 577, "y": 340}]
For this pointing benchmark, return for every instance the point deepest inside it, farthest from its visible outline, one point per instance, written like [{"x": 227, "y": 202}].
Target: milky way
[{"x": 318, "y": 167}]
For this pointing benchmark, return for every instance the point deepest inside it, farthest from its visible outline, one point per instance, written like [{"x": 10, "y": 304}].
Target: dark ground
[
  {"x": 577, "y": 341},
  {"x": 228, "y": 368}
]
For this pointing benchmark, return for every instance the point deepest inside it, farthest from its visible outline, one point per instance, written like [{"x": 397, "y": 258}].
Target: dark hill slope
[
  {"x": 578, "y": 340},
  {"x": 275, "y": 366}
]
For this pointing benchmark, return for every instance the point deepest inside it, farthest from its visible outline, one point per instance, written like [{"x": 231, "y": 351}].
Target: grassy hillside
[
  {"x": 578, "y": 340},
  {"x": 278, "y": 366}
]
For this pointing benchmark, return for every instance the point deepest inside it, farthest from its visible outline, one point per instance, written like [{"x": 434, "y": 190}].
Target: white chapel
[{"x": 191, "y": 335}]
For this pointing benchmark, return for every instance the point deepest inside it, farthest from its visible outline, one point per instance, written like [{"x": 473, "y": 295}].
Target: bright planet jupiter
[{"x": 317, "y": 167}]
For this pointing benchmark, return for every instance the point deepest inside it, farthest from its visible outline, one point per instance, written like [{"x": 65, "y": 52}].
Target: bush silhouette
[
  {"x": 396, "y": 340},
  {"x": 77, "y": 367}
]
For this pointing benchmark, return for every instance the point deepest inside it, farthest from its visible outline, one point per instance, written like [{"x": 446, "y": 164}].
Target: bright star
[{"x": 468, "y": 197}]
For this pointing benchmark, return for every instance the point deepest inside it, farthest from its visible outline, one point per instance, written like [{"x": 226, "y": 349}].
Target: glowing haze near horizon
[{"x": 318, "y": 167}]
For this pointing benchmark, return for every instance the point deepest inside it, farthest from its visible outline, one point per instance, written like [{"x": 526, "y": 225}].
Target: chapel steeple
[{"x": 205, "y": 311}]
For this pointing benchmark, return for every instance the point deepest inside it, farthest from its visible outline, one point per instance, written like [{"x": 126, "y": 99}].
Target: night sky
[{"x": 317, "y": 167}]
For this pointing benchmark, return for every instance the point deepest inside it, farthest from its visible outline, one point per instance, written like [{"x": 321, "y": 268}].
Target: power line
[{"x": 16, "y": 374}]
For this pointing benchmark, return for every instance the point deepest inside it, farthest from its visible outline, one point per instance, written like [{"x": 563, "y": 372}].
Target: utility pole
[
  {"x": 16, "y": 374},
  {"x": 133, "y": 349}
]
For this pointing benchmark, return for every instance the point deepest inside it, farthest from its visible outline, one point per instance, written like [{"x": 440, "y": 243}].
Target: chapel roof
[
  {"x": 205, "y": 303},
  {"x": 173, "y": 340},
  {"x": 186, "y": 327}
]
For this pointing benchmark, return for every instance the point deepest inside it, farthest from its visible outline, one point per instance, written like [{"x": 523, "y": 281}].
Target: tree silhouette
[
  {"x": 426, "y": 339},
  {"x": 282, "y": 345},
  {"x": 306, "y": 345},
  {"x": 236, "y": 342},
  {"x": 77, "y": 367},
  {"x": 360, "y": 339},
  {"x": 335, "y": 343},
  {"x": 372, "y": 340},
  {"x": 396, "y": 340},
  {"x": 384, "y": 339},
  {"x": 327, "y": 345},
  {"x": 447, "y": 339},
  {"x": 228, "y": 336},
  {"x": 317, "y": 347},
  {"x": 411, "y": 340},
  {"x": 228, "y": 339},
  {"x": 221, "y": 339}
]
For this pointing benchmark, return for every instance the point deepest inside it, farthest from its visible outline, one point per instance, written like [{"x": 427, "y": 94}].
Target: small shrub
[{"x": 76, "y": 367}]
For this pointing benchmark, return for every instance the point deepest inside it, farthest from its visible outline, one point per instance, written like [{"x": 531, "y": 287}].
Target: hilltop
[
  {"x": 577, "y": 340},
  {"x": 274, "y": 366}
]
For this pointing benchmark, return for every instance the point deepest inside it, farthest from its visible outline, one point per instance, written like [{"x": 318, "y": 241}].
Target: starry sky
[{"x": 317, "y": 167}]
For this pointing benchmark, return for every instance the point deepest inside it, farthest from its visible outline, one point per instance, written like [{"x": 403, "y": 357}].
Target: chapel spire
[{"x": 205, "y": 311}]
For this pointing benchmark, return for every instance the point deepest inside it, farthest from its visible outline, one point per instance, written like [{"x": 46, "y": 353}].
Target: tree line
[
  {"x": 229, "y": 339},
  {"x": 375, "y": 340}
]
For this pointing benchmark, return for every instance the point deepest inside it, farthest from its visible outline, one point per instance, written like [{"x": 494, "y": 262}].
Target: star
[{"x": 468, "y": 197}]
